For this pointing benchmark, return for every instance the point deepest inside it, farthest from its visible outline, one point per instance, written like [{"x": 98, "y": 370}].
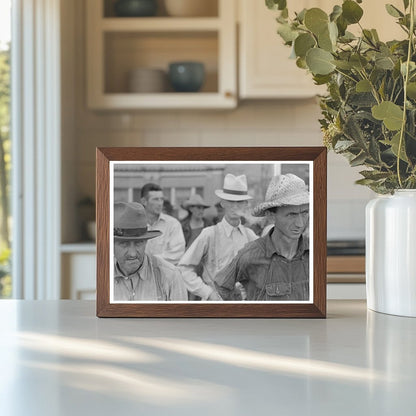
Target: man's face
[
  {"x": 129, "y": 254},
  {"x": 197, "y": 211},
  {"x": 233, "y": 210},
  {"x": 291, "y": 220},
  {"x": 153, "y": 202}
]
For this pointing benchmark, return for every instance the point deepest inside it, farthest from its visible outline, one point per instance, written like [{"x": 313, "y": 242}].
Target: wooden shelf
[{"x": 160, "y": 24}]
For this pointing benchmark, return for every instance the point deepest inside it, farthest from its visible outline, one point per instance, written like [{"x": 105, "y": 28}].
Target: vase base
[{"x": 393, "y": 313}]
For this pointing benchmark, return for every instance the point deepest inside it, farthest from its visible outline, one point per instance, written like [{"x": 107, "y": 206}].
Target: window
[{"x": 5, "y": 159}]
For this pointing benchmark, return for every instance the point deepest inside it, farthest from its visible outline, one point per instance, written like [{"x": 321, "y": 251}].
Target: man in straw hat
[
  {"x": 217, "y": 245},
  {"x": 137, "y": 275},
  {"x": 276, "y": 266}
]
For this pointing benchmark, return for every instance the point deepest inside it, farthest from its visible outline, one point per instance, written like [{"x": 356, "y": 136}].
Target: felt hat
[
  {"x": 283, "y": 190},
  {"x": 235, "y": 188},
  {"x": 130, "y": 222},
  {"x": 195, "y": 200}
]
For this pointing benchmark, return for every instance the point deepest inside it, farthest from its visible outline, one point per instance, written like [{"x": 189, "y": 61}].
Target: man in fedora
[
  {"x": 139, "y": 276},
  {"x": 217, "y": 245},
  {"x": 195, "y": 222},
  {"x": 276, "y": 266},
  {"x": 171, "y": 244}
]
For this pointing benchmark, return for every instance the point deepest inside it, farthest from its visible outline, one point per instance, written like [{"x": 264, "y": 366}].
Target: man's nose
[
  {"x": 131, "y": 250},
  {"x": 299, "y": 220}
]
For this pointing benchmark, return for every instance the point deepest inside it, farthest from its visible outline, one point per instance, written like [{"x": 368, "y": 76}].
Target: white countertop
[{"x": 57, "y": 358}]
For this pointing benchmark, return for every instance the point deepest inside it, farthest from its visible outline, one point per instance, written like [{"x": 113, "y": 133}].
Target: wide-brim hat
[
  {"x": 130, "y": 222},
  {"x": 283, "y": 190},
  {"x": 235, "y": 188},
  {"x": 195, "y": 200}
]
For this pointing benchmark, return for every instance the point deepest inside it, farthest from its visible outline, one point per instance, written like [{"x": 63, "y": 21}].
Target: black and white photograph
[{"x": 211, "y": 231}]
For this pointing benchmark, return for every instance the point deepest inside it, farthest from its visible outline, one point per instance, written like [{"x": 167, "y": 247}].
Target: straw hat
[
  {"x": 195, "y": 200},
  {"x": 283, "y": 190},
  {"x": 130, "y": 222},
  {"x": 235, "y": 188}
]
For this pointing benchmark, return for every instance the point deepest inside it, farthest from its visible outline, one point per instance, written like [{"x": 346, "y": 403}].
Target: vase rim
[{"x": 404, "y": 191}]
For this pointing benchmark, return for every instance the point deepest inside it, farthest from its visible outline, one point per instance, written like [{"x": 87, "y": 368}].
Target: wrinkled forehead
[{"x": 293, "y": 208}]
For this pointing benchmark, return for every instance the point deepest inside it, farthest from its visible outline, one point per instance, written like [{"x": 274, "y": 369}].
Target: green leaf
[
  {"x": 391, "y": 114},
  {"x": 411, "y": 90},
  {"x": 287, "y": 33},
  {"x": 303, "y": 43},
  {"x": 351, "y": 11},
  {"x": 363, "y": 86},
  {"x": 358, "y": 61},
  {"x": 394, "y": 143},
  {"x": 316, "y": 20},
  {"x": 347, "y": 37},
  {"x": 393, "y": 11},
  {"x": 344, "y": 65},
  {"x": 384, "y": 62},
  {"x": 301, "y": 15},
  {"x": 325, "y": 42},
  {"x": 358, "y": 160},
  {"x": 336, "y": 12},
  {"x": 276, "y": 4},
  {"x": 342, "y": 25},
  {"x": 321, "y": 79},
  {"x": 375, "y": 35},
  {"x": 319, "y": 61},
  {"x": 301, "y": 63}
]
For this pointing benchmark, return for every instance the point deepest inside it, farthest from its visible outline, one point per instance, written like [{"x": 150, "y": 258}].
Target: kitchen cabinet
[
  {"x": 265, "y": 70},
  {"x": 118, "y": 45}
]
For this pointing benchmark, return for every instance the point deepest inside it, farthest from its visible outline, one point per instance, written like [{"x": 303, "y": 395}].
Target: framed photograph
[{"x": 211, "y": 232}]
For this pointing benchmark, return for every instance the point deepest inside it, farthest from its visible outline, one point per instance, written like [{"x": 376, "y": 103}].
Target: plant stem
[{"x": 406, "y": 79}]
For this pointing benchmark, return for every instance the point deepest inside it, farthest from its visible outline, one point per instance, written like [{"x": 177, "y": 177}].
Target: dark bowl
[
  {"x": 186, "y": 76},
  {"x": 135, "y": 8}
]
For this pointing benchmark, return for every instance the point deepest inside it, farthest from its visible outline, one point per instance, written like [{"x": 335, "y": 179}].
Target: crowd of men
[{"x": 158, "y": 258}]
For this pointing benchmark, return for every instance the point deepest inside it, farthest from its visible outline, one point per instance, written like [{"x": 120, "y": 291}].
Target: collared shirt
[
  {"x": 171, "y": 244},
  {"x": 214, "y": 248},
  {"x": 266, "y": 274},
  {"x": 155, "y": 280}
]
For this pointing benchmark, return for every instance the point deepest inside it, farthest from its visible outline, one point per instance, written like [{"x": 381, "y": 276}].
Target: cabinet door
[{"x": 265, "y": 68}]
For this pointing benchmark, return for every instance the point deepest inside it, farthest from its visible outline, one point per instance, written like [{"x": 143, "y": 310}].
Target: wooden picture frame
[{"x": 314, "y": 157}]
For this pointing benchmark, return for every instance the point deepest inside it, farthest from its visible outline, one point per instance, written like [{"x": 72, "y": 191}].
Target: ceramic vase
[{"x": 391, "y": 253}]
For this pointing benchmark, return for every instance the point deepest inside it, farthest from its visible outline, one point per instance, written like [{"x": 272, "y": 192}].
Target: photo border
[{"x": 314, "y": 309}]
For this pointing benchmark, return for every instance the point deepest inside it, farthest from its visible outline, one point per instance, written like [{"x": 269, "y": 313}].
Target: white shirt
[
  {"x": 171, "y": 244},
  {"x": 214, "y": 249}
]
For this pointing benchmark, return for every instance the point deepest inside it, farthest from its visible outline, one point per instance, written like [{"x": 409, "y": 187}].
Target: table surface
[{"x": 57, "y": 358}]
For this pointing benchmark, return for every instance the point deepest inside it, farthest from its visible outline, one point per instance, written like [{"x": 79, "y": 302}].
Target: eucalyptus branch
[{"x": 406, "y": 79}]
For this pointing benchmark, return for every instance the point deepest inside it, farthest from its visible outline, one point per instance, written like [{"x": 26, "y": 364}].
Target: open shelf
[{"x": 116, "y": 46}]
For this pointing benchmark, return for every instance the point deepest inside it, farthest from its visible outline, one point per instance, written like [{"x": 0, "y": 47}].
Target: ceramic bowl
[
  {"x": 186, "y": 76},
  {"x": 147, "y": 80},
  {"x": 135, "y": 8}
]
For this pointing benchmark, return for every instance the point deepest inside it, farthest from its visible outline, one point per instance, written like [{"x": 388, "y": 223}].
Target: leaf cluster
[{"x": 369, "y": 112}]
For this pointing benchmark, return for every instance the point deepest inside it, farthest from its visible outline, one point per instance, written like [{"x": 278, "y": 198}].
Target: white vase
[{"x": 391, "y": 253}]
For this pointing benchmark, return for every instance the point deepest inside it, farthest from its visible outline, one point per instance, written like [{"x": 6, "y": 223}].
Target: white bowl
[
  {"x": 147, "y": 80},
  {"x": 191, "y": 8}
]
